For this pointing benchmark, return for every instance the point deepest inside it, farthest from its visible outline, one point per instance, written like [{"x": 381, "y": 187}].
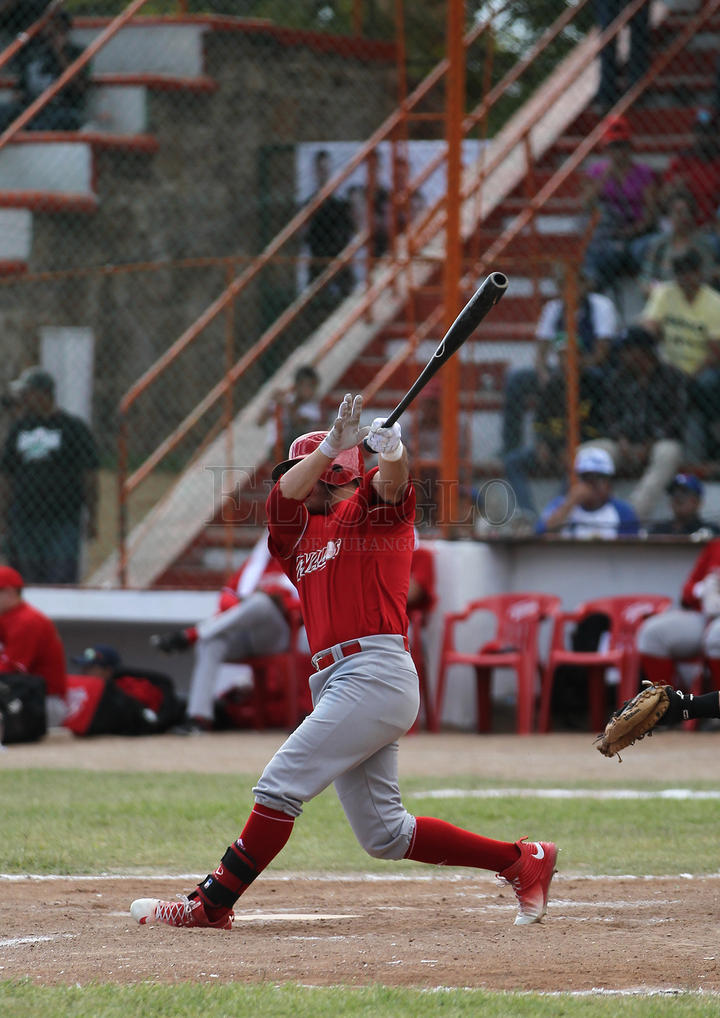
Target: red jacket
[
  {"x": 707, "y": 561},
  {"x": 29, "y": 642}
]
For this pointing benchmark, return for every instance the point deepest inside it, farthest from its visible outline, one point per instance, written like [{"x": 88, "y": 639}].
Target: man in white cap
[{"x": 588, "y": 509}]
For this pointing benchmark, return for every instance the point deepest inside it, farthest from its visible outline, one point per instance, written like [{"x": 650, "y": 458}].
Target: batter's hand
[
  {"x": 385, "y": 441},
  {"x": 346, "y": 431}
]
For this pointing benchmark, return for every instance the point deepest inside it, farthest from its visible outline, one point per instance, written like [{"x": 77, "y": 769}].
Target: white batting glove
[
  {"x": 346, "y": 431},
  {"x": 385, "y": 441}
]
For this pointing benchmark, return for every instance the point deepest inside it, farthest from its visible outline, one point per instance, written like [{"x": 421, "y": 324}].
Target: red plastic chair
[
  {"x": 625, "y": 613},
  {"x": 515, "y": 645}
]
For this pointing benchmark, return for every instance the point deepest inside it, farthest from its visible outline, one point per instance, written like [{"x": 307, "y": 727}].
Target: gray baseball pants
[
  {"x": 258, "y": 627},
  {"x": 362, "y": 704}
]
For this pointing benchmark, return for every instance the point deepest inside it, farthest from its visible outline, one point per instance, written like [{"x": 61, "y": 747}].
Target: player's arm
[
  {"x": 393, "y": 474},
  {"x": 301, "y": 478}
]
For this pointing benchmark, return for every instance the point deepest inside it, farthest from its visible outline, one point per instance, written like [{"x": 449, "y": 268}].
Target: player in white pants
[
  {"x": 692, "y": 632},
  {"x": 345, "y": 539},
  {"x": 252, "y": 620}
]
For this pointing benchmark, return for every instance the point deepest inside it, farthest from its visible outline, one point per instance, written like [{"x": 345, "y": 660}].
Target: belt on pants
[{"x": 324, "y": 658}]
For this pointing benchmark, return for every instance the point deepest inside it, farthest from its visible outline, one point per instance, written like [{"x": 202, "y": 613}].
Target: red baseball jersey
[
  {"x": 351, "y": 567},
  {"x": 30, "y": 642}
]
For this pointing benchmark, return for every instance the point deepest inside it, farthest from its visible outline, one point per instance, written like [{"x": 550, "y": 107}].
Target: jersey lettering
[{"x": 310, "y": 562}]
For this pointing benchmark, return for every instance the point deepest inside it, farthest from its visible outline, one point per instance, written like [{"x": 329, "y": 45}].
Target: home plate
[{"x": 285, "y": 917}]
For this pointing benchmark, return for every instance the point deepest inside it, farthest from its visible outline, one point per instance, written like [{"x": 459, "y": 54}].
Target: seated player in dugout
[
  {"x": 345, "y": 539},
  {"x": 108, "y": 697}
]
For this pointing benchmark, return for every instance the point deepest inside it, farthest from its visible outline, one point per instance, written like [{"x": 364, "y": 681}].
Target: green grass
[
  {"x": 23, "y": 1000},
  {"x": 110, "y": 822}
]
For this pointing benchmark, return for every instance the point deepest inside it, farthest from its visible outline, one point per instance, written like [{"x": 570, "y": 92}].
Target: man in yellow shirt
[{"x": 685, "y": 315}]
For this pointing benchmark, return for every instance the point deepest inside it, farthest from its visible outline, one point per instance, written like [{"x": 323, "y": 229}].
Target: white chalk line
[
  {"x": 21, "y": 941},
  {"x": 439, "y": 874},
  {"x": 675, "y": 794}
]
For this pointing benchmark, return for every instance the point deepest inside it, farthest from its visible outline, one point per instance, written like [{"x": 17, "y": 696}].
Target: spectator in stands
[
  {"x": 682, "y": 233},
  {"x": 624, "y": 194},
  {"x": 547, "y": 455},
  {"x": 688, "y": 632},
  {"x": 48, "y": 482},
  {"x": 41, "y": 62},
  {"x": 329, "y": 230},
  {"x": 697, "y": 168},
  {"x": 686, "y": 494},
  {"x": 252, "y": 619},
  {"x": 645, "y": 410},
  {"x": 588, "y": 509},
  {"x": 295, "y": 411},
  {"x": 30, "y": 643},
  {"x": 112, "y": 698},
  {"x": 606, "y": 11},
  {"x": 684, "y": 314},
  {"x": 596, "y": 326}
]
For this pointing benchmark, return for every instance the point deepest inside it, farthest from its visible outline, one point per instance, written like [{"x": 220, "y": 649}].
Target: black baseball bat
[{"x": 485, "y": 298}]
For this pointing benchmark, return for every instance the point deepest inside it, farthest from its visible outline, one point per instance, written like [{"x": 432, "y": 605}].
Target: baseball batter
[{"x": 345, "y": 539}]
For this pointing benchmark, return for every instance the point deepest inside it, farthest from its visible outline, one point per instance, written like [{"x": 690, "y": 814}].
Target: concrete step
[{"x": 170, "y": 47}]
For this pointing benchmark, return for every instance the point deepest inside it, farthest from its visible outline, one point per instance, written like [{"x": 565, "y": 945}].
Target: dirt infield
[{"x": 438, "y": 930}]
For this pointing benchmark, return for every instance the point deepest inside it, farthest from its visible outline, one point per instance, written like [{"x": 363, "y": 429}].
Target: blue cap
[
  {"x": 686, "y": 482},
  {"x": 100, "y": 654}
]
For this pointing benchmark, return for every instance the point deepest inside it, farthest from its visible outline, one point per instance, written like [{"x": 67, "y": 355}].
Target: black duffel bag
[{"x": 22, "y": 707}]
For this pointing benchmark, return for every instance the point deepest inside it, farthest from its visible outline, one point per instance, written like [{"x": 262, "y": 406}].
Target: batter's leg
[{"x": 371, "y": 799}]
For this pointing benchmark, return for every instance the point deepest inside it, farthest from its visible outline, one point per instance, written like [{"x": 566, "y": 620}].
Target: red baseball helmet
[{"x": 347, "y": 466}]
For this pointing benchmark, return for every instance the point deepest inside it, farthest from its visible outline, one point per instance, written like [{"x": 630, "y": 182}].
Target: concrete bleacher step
[{"x": 147, "y": 46}]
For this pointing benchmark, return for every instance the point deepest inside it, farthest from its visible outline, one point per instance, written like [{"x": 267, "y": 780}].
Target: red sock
[
  {"x": 436, "y": 841},
  {"x": 264, "y": 835},
  {"x": 660, "y": 670}
]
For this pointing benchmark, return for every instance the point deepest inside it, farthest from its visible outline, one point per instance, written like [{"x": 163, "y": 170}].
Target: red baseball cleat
[
  {"x": 530, "y": 878},
  {"x": 185, "y": 912}
]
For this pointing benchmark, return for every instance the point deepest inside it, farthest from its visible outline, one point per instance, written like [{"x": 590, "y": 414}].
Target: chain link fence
[{"x": 147, "y": 263}]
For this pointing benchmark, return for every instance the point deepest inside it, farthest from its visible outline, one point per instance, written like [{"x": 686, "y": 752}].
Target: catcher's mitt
[{"x": 635, "y": 719}]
